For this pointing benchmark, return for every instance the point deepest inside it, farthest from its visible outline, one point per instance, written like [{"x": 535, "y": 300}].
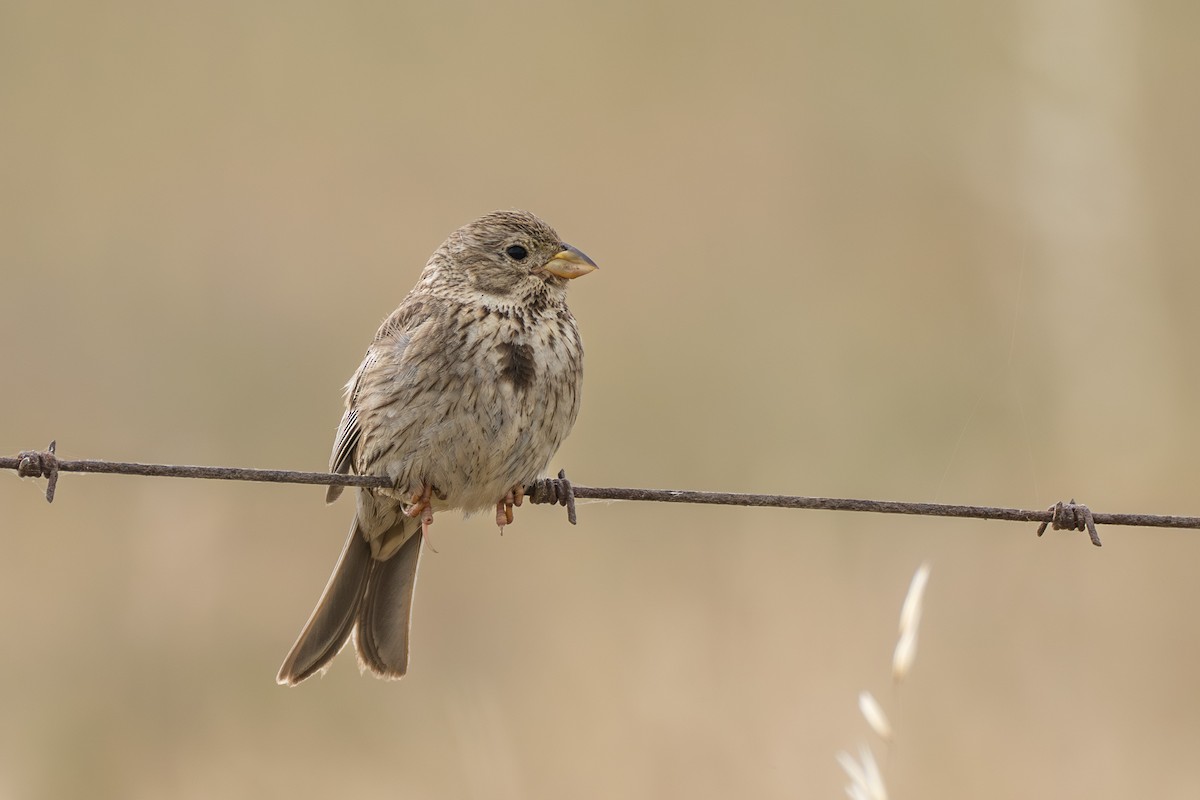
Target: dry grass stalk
[
  {"x": 866, "y": 780},
  {"x": 873, "y": 713}
]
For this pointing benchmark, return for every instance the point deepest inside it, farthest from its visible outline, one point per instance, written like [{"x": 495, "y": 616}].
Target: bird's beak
[{"x": 570, "y": 263}]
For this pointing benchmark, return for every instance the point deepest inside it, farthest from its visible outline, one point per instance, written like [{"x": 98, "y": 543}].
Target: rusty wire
[{"x": 1061, "y": 516}]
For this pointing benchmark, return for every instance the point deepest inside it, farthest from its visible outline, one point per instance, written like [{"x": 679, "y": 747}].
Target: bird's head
[{"x": 509, "y": 254}]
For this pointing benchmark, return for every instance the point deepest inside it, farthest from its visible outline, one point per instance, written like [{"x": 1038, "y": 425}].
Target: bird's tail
[{"x": 371, "y": 599}]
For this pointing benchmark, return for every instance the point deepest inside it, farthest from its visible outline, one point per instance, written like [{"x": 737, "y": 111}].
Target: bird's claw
[
  {"x": 504, "y": 509},
  {"x": 421, "y": 505}
]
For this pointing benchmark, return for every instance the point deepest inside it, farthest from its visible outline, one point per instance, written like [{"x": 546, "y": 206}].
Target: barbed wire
[{"x": 561, "y": 491}]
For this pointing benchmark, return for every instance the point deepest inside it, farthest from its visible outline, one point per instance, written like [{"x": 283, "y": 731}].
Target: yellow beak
[{"x": 569, "y": 263}]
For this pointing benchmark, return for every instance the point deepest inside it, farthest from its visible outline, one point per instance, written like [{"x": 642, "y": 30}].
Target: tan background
[{"x": 910, "y": 251}]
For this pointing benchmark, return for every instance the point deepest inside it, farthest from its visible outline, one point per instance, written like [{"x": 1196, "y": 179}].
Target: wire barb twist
[
  {"x": 40, "y": 464},
  {"x": 554, "y": 490},
  {"x": 1071, "y": 516}
]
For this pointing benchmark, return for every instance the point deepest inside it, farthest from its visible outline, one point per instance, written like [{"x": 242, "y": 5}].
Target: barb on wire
[
  {"x": 1061, "y": 516},
  {"x": 1071, "y": 517},
  {"x": 40, "y": 464}
]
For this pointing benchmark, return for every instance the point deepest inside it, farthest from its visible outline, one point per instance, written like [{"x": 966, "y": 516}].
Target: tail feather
[
  {"x": 371, "y": 599},
  {"x": 385, "y": 614},
  {"x": 332, "y": 620}
]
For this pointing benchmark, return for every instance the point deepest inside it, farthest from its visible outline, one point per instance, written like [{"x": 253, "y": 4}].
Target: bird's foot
[
  {"x": 421, "y": 505},
  {"x": 504, "y": 509}
]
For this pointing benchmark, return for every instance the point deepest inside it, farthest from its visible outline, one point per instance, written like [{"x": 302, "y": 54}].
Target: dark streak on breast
[{"x": 517, "y": 365}]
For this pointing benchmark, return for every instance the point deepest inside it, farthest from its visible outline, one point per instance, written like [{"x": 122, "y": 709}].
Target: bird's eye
[{"x": 516, "y": 252}]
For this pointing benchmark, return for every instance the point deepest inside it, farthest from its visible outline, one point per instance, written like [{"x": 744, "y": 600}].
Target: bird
[{"x": 465, "y": 394}]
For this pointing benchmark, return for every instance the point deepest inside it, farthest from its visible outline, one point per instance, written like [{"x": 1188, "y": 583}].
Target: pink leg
[
  {"x": 421, "y": 506},
  {"x": 504, "y": 508}
]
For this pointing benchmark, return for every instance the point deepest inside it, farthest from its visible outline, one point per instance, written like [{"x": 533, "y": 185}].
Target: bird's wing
[
  {"x": 344, "y": 442},
  {"x": 390, "y": 342}
]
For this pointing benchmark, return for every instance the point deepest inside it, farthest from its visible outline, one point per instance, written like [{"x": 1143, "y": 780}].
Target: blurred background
[{"x": 927, "y": 251}]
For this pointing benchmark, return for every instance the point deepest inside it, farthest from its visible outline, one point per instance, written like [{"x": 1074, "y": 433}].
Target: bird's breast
[{"x": 515, "y": 397}]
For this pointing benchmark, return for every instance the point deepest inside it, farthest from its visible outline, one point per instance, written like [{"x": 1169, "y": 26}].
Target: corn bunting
[{"x": 465, "y": 394}]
